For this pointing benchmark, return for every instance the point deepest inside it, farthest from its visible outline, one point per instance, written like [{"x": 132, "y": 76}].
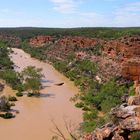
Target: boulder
[
  {"x": 123, "y": 111},
  {"x": 131, "y": 124},
  {"x": 128, "y": 120},
  {"x": 117, "y": 137},
  {"x": 134, "y": 100},
  {"x": 104, "y": 132},
  {"x": 131, "y": 69}
]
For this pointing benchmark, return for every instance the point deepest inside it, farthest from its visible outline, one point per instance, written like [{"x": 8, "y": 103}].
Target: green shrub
[
  {"x": 131, "y": 91},
  {"x": 19, "y": 94},
  {"x": 109, "y": 96},
  {"x": 12, "y": 98},
  {"x": 60, "y": 65},
  {"x": 79, "y": 105},
  {"x": 4, "y": 104},
  {"x": 20, "y": 87},
  {"x": 11, "y": 77},
  {"x": 33, "y": 94},
  {"x": 88, "y": 126},
  {"x": 90, "y": 115},
  {"x": 7, "y": 115},
  {"x": 12, "y": 104},
  {"x": 30, "y": 94}
]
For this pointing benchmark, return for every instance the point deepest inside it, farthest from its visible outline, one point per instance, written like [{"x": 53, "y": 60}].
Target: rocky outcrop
[
  {"x": 123, "y": 48},
  {"x": 80, "y": 42},
  {"x": 119, "y": 57},
  {"x": 131, "y": 69},
  {"x": 39, "y": 41},
  {"x": 134, "y": 100},
  {"x": 125, "y": 119}
]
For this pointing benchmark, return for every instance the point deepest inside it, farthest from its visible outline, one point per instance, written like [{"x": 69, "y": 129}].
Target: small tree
[
  {"x": 33, "y": 85},
  {"x": 4, "y": 104},
  {"x": 32, "y": 79}
]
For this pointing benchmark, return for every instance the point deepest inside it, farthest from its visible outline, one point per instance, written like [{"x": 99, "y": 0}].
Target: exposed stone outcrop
[
  {"x": 127, "y": 119},
  {"x": 134, "y": 100},
  {"x": 123, "y": 48},
  {"x": 39, "y": 41},
  {"x": 118, "y": 57},
  {"x": 131, "y": 69},
  {"x": 80, "y": 42}
]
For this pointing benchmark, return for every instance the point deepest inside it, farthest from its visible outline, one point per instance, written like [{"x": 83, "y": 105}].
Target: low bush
[
  {"x": 4, "y": 104},
  {"x": 33, "y": 94},
  {"x": 135, "y": 135},
  {"x": 12, "y": 98},
  {"x": 12, "y": 104},
  {"x": 30, "y": 94},
  {"x": 7, "y": 115},
  {"x": 19, "y": 94}
]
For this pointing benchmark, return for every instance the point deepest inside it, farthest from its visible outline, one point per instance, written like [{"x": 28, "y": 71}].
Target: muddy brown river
[{"x": 34, "y": 122}]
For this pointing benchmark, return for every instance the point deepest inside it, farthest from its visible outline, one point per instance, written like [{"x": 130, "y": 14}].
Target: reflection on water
[
  {"x": 34, "y": 122},
  {"x": 47, "y": 81}
]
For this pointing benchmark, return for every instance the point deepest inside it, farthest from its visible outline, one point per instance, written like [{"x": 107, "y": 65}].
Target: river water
[{"x": 36, "y": 117}]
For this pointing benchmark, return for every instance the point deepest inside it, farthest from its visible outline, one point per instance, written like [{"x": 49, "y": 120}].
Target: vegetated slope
[{"x": 103, "y": 68}]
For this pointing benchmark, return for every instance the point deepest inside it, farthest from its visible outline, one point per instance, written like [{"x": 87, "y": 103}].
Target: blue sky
[{"x": 69, "y": 13}]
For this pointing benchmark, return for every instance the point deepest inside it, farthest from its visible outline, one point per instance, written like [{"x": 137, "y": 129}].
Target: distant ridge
[{"x": 97, "y": 32}]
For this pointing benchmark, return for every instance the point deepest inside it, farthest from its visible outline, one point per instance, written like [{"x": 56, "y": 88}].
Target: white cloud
[
  {"x": 66, "y": 6},
  {"x": 132, "y": 7},
  {"x": 129, "y": 15}
]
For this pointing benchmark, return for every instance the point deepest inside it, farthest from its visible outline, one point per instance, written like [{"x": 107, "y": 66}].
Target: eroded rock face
[
  {"x": 105, "y": 132},
  {"x": 131, "y": 69},
  {"x": 134, "y": 100},
  {"x": 131, "y": 124},
  {"x": 115, "y": 59},
  {"x": 40, "y": 40},
  {"x": 128, "y": 120},
  {"x": 124, "y": 48},
  {"x": 123, "y": 111},
  {"x": 81, "y": 42}
]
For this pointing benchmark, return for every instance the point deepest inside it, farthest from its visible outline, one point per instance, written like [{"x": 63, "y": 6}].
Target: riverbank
[{"x": 36, "y": 114}]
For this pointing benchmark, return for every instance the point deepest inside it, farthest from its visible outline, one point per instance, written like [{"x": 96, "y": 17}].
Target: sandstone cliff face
[
  {"x": 123, "y": 48},
  {"x": 131, "y": 69},
  {"x": 40, "y": 40},
  {"x": 131, "y": 63},
  {"x": 81, "y": 42},
  {"x": 127, "y": 120},
  {"x": 116, "y": 58}
]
